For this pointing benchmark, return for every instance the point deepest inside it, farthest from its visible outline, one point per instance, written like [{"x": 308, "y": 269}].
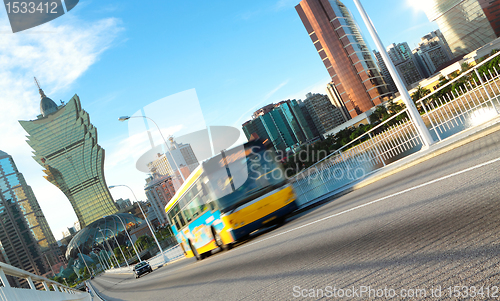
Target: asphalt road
[{"x": 434, "y": 225}]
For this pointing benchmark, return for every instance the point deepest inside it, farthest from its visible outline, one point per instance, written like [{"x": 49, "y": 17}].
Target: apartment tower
[{"x": 344, "y": 53}]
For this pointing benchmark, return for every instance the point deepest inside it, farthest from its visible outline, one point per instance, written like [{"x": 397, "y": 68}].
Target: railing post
[
  {"x": 485, "y": 90},
  {"x": 376, "y": 148},
  {"x": 5, "y": 282},
  {"x": 30, "y": 282},
  {"x": 54, "y": 286},
  {"x": 322, "y": 180},
  {"x": 45, "y": 286},
  {"x": 430, "y": 119}
]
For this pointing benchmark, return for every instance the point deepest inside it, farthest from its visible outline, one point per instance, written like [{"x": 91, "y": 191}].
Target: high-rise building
[
  {"x": 122, "y": 204},
  {"x": 405, "y": 62},
  {"x": 65, "y": 144},
  {"x": 344, "y": 53},
  {"x": 309, "y": 119},
  {"x": 160, "y": 186},
  {"x": 296, "y": 120},
  {"x": 254, "y": 128},
  {"x": 26, "y": 240},
  {"x": 466, "y": 24},
  {"x": 183, "y": 155},
  {"x": 324, "y": 114},
  {"x": 283, "y": 124},
  {"x": 432, "y": 51},
  {"x": 336, "y": 100},
  {"x": 279, "y": 130},
  {"x": 271, "y": 126},
  {"x": 160, "y": 190},
  {"x": 385, "y": 72}
]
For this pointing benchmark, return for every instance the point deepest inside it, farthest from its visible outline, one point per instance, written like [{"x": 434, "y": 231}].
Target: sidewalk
[{"x": 438, "y": 148}]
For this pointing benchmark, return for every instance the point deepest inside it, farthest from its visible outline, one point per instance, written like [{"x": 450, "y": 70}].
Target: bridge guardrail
[
  {"x": 473, "y": 98},
  {"x": 170, "y": 254},
  {"x": 61, "y": 292}
]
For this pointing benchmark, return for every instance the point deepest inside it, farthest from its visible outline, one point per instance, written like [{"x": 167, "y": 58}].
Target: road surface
[{"x": 434, "y": 225}]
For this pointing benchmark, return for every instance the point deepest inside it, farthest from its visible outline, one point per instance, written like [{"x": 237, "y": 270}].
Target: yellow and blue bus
[{"x": 228, "y": 197}]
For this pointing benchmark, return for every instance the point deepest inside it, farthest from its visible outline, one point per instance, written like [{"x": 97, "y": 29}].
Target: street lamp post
[
  {"x": 100, "y": 260},
  {"x": 109, "y": 247},
  {"x": 412, "y": 110},
  {"x": 125, "y": 228},
  {"x": 107, "y": 264},
  {"x": 107, "y": 260},
  {"x": 116, "y": 240},
  {"x": 145, "y": 217},
  {"x": 50, "y": 265},
  {"x": 84, "y": 261},
  {"x": 124, "y": 118}
]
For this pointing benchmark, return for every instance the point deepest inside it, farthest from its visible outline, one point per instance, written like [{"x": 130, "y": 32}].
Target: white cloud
[
  {"x": 57, "y": 55},
  {"x": 266, "y": 97},
  {"x": 283, "y": 4}
]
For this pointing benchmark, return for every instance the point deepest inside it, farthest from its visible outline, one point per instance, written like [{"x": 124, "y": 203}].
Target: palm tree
[
  {"x": 393, "y": 107},
  {"x": 419, "y": 93},
  {"x": 465, "y": 67},
  {"x": 380, "y": 113}
]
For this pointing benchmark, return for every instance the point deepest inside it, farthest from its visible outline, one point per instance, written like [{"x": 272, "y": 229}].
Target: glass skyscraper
[
  {"x": 465, "y": 24},
  {"x": 26, "y": 240},
  {"x": 65, "y": 144},
  {"x": 286, "y": 123},
  {"x": 344, "y": 53}
]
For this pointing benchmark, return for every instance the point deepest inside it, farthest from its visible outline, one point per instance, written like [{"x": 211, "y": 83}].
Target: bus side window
[
  {"x": 205, "y": 196},
  {"x": 187, "y": 214},
  {"x": 176, "y": 224},
  {"x": 181, "y": 220}
]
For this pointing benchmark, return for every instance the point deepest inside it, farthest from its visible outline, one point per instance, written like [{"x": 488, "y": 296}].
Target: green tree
[
  {"x": 118, "y": 253},
  {"x": 420, "y": 93},
  {"x": 465, "y": 66},
  {"x": 144, "y": 240},
  {"x": 379, "y": 114},
  {"x": 394, "y": 108}
]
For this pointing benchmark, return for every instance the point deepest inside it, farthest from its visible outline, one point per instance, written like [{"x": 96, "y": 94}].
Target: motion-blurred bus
[{"x": 228, "y": 197}]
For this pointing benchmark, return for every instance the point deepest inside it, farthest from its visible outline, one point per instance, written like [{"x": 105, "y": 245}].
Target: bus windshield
[{"x": 242, "y": 174}]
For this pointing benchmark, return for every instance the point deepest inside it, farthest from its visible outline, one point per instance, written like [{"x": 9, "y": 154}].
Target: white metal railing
[
  {"x": 474, "y": 102},
  {"x": 168, "y": 255},
  {"x": 60, "y": 292},
  {"x": 360, "y": 157}
]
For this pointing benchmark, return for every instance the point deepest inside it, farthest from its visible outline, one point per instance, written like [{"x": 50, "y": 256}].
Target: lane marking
[
  {"x": 340, "y": 213},
  {"x": 375, "y": 201}
]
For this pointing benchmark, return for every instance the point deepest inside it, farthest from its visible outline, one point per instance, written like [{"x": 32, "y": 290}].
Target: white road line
[{"x": 375, "y": 201}]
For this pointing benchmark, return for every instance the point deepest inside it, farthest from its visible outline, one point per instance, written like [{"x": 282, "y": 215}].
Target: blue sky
[{"x": 120, "y": 56}]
